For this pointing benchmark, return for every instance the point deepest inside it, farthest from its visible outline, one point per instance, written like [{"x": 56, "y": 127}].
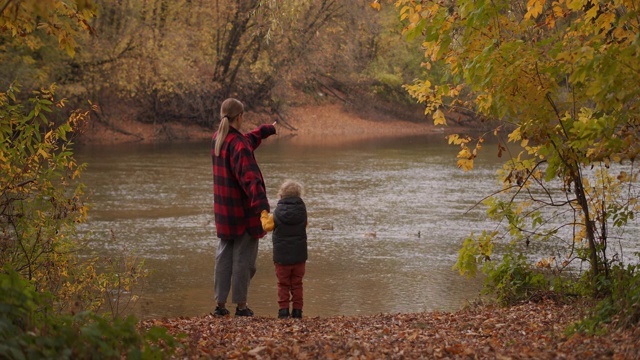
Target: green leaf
[{"x": 417, "y": 30}]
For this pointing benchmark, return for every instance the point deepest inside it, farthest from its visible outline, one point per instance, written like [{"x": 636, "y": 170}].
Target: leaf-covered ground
[{"x": 528, "y": 331}]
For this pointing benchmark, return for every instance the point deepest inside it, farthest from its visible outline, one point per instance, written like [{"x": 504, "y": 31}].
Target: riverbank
[
  {"x": 527, "y": 331},
  {"x": 328, "y": 123}
]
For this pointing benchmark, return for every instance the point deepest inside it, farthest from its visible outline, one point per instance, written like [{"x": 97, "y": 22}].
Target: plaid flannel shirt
[{"x": 239, "y": 192}]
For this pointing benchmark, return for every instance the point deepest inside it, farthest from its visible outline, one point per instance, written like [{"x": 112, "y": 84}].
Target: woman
[{"x": 239, "y": 198}]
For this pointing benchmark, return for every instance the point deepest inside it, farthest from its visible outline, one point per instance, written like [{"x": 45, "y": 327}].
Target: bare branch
[{"x": 4, "y": 7}]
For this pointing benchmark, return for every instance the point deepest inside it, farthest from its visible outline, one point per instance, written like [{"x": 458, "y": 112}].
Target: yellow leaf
[
  {"x": 465, "y": 164},
  {"x": 43, "y": 153},
  {"x": 514, "y": 135},
  {"x": 551, "y": 22},
  {"x": 438, "y": 118},
  {"x": 457, "y": 140},
  {"x": 593, "y": 12},
  {"x": 414, "y": 18},
  {"x": 71, "y": 51},
  {"x": 558, "y": 11},
  {"x": 534, "y": 8},
  {"x": 605, "y": 21},
  {"x": 619, "y": 33},
  {"x": 465, "y": 154},
  {"x": 375, "y": 5},
  {"x": 405, "y": 9}
]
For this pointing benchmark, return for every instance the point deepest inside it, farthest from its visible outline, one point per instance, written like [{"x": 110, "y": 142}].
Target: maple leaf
[{"x": 534, "y": 8}]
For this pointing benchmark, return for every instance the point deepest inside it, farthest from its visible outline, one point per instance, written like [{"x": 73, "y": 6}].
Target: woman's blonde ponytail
[
  {"x": 229, "y": 110},
  {"x": 223, "y": 130}
]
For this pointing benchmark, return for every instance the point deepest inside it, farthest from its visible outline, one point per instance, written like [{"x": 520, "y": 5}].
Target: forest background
[{"x": 164, "y": 63}]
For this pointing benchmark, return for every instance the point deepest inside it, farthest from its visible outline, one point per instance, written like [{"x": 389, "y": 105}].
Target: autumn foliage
[
  {"x": 50, "y": 294},
  {"x": 560, "y": 78}
]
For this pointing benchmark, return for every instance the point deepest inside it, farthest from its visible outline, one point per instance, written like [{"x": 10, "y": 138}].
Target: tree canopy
[{"x": 561, "y": 78}]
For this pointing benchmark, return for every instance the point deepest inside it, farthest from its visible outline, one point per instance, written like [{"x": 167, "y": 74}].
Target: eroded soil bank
[{"x": 311, "y": 123}]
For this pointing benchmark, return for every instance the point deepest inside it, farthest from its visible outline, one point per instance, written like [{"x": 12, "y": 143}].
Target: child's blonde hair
[{"x": 290, "y": 188}]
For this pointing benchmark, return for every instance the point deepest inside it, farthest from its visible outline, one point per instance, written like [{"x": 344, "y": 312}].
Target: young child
[{"x": 289, "y": 225}]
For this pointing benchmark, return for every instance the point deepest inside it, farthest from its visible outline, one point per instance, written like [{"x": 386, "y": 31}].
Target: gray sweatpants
[{"x": 235, "y": 267}]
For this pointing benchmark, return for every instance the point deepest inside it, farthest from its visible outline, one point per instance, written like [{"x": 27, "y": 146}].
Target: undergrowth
[
  {"x": 29, "y": 329},
  {"x": 515, "y": 280}
]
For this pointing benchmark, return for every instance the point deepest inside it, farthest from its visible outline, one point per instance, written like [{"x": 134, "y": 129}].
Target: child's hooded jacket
[{"x": 290, "y": 231}]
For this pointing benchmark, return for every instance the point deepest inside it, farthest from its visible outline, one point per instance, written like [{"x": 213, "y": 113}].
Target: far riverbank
[{"x": 311, "y": 123}]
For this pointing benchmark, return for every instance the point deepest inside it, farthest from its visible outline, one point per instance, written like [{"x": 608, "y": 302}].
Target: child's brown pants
[{"x": 290, "y": 285}]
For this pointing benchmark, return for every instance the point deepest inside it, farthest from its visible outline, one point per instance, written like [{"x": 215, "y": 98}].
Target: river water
[{"x": 386, "y": 220}]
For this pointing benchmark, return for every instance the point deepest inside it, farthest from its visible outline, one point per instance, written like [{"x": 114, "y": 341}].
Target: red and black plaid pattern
[{"x": 239, "y": 192}]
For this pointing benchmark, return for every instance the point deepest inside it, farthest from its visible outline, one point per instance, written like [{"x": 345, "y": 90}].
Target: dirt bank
[{"x": 324, "y": 123}]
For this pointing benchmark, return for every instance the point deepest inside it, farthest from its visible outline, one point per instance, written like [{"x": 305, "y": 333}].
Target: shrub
[
  {"x": 30, "y": 330},
  {"x": 514, "y": 279},
  {"x": 620, "y": 301}
]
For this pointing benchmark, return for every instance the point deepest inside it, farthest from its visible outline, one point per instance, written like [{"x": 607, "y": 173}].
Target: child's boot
[
  {"x": 283, "y": 313},
  {"x": 296, "y": 313}
]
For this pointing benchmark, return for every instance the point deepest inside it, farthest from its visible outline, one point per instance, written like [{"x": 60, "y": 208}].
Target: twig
[
  {"x": 283, "y": 121},
  {"x": 331, "y": 91},
  {"x": 4, "y": 7}
]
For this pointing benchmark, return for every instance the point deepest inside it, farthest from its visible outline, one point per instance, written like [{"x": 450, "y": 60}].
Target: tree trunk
[
  {"x": 589, "y": 223},
  {"x": 231, "y": 44}
]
